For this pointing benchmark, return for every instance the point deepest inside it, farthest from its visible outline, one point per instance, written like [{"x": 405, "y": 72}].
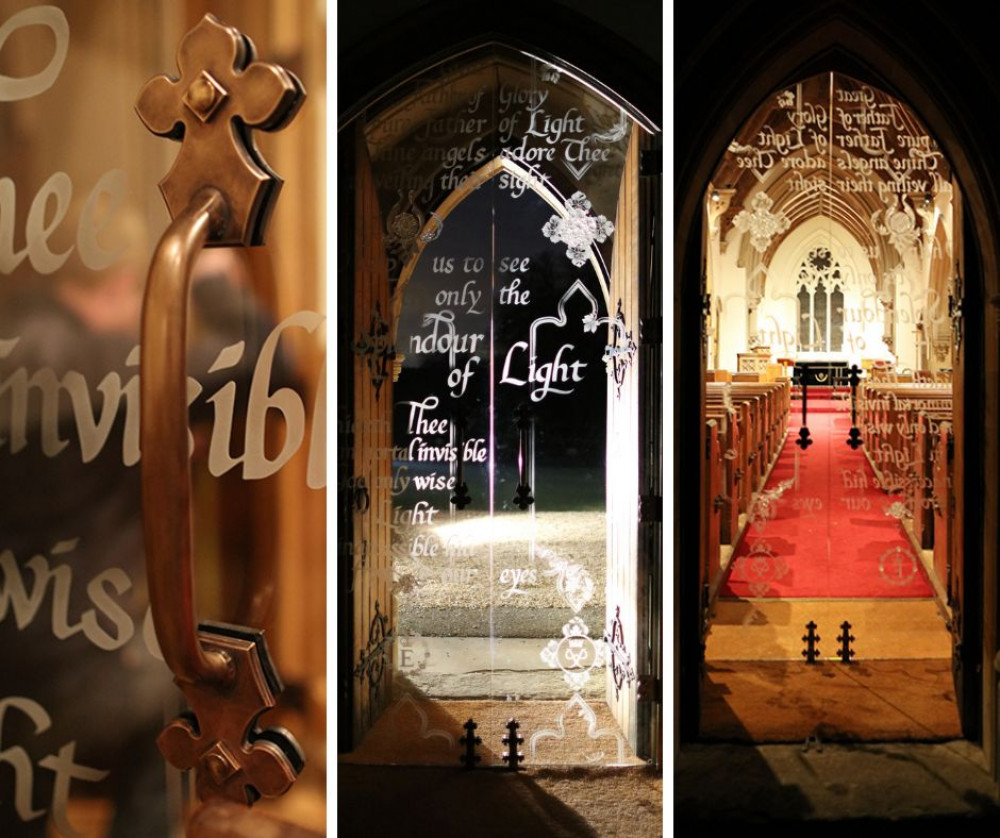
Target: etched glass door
[
  {"x": 833, "y": 388},
  {"x": 499, "y": 439},
  {"x": 499, "y": 214},
  {"x": 85, "y": 692}
]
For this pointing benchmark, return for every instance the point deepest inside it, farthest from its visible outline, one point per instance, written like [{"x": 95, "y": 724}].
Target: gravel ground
[{"x": 515, "y": 560}]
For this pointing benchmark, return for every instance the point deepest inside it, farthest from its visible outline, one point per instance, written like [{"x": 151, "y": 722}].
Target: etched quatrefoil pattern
[
  {"x": 762, "y": 224},
  {"x": 576, "y": 654}
]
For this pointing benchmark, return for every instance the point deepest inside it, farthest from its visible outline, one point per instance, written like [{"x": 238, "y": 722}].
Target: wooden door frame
[
  {"x": 714, "y": 98},
  {"x": 345, "y": 441}
]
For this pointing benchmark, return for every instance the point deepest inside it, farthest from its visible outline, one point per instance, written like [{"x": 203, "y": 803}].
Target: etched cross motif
[
  {"x": 579, "y": 229},
  {"x": 220, "y": 738},
  {"x": 577, "y": 655},
  {"x": 897, "y": 566},
  {"x": 222, "y": 93}
]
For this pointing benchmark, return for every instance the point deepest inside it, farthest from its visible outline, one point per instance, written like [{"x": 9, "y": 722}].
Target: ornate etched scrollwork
[
  {"x": 620, "y": 353},
  {"x": 899, "y": 223},
  {"x": 573, "y": 581},
  {"x": 577, "y": 708}
]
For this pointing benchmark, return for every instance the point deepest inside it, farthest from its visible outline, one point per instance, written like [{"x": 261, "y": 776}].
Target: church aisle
[
  {"x": 822, "y": 527},
  {"x": 822, "y": 546}
]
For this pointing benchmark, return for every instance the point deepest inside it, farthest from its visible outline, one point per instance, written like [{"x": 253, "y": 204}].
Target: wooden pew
[
  {"x": 752, "y": 419},
  {"x": 925, "y": 453},
  {"x": 750, "y": 424},
  {"x": 729, "y": 444},
  {"x": 710, "y": 502},
  {"x": 908, "y": 427},
  {"x": 943, "y": 503},
  {"x": 770, "y": 403},
  {"x": 889, "y": 414}
]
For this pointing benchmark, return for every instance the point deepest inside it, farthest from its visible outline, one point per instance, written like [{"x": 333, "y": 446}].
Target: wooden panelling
[
  {"x": 623, "y": 446},
  {"x": 371, "y": 549}
]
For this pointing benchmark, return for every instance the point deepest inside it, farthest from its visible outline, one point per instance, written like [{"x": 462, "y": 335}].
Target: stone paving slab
[{"x": 879, "y": 782}]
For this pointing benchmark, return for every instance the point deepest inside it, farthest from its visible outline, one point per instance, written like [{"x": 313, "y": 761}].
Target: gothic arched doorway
[
  {"x": 833, "y": 248},
  {"x": 487, "y": 553},
  {"x": 713, "y": 111}
]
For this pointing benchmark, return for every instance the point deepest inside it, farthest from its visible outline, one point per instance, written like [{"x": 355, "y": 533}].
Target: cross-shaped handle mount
[{"x": 221, "y": 94}]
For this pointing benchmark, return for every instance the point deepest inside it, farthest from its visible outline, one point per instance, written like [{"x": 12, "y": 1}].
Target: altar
[{"x": 825, "y": 369}]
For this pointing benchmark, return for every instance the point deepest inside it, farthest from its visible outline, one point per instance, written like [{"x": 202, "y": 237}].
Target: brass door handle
[
  {"x": 163, "y": 430},
  {"x": 219, "y": 192}
]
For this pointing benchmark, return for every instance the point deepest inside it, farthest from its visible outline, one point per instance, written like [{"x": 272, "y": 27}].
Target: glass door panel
[
  {"x": 550, "y": 555},
  {"x": 85, "y": 692},
  {"x": 833, "y": 233},
  {"x": 499, "y": 532},
  {"x": 442, "y": 426},
  {"x": 498, "y": 183}
]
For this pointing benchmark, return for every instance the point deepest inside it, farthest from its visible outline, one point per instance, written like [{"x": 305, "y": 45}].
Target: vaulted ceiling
[{"x": 835, "y": 148}]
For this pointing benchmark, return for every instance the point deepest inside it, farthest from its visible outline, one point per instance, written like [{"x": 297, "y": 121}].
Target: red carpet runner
[{"x": 824, "y": 529}]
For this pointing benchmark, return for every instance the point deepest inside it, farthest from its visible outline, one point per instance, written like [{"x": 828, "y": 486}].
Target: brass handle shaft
[{"x": 166, "y": 469}]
